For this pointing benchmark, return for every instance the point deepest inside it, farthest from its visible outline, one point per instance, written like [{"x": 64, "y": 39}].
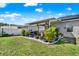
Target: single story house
[{"x": 68, "y": 25}]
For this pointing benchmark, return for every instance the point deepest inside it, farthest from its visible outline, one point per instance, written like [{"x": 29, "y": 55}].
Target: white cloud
[
  {"x": 49, "y": 12},
  {"x": 73, "y": 13},
  {"x": 2, "y": 5},
  {"x": 7, "y": 12},
  {"x": 39, "y": 10},
  {"x": 30, "y": 4},
  {"x": 1, "y": 19},
  {"x": 13, "y": 19},
  {"x": 41, "y": 17},
  {"x": 28, "y": 20},
  {"x": 59, "y": 15},
  {"x": 11, "y": 16},
  {"x": 25, "y": 19},
  {"x": 16, "y": 14},
  {"x": 69, "y": 9},
  {"x": 50, "y": 16},
  {"x": 33, "y": 19}
]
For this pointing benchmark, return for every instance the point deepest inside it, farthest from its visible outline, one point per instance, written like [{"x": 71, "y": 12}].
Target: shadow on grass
[{"x": 63, "y": 42}]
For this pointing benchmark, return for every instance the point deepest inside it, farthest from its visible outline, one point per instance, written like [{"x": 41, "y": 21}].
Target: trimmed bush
[
  {"x": 27, "y": 33},
  {"x": 23, "y": 32},
  {"x": 51, "y": 33},
  {"x": 6, "y": 35}
]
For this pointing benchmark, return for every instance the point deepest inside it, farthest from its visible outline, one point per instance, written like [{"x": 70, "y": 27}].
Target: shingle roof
[
  {"x": 45, "y": 20},
  {"x": 70, "y": 17},
  {"x": 65, "y": 18}
]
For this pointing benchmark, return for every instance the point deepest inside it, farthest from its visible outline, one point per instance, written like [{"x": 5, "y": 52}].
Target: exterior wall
[
  {"x": 14, "y": 27},
  {"x": 76, "y": 31},
  {"x": 35, "y": 28},
  {"x": 63, "y": 27}
]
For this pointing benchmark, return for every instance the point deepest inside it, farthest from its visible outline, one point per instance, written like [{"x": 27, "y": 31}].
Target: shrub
[
  {"x": 60, "y": 34},
  {"x": 27, "y": 33},
  {"x": 5, "y": 35},
  {"x": 50, "y": 33},
  {"x": 23, "y": 32},
  {"x": 37, "y": 34}
]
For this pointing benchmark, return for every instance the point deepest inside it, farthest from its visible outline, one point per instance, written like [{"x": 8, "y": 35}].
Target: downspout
[{"x": 38, "y": 27}]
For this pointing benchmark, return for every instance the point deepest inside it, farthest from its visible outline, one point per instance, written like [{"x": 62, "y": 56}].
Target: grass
[{"x": 19, "y": 46}]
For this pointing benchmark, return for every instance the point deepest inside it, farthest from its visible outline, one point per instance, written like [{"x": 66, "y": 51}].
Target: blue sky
[{"x": 21, "y": 13}]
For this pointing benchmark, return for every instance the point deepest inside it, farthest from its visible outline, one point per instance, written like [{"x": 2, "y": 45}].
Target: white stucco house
[{"x": 68, "y": 25}]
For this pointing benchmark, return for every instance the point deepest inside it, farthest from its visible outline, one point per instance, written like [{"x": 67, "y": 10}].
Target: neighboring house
[
  {"x": 68, "y": 25},
  {"x": 13, "y": 30}
]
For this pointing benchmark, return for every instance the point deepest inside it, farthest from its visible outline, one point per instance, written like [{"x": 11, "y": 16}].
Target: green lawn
[{"x": 19, "y": 46}]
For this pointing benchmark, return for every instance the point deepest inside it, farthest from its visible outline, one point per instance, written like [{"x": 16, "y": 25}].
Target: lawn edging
[{"x": 38, "y": 40}]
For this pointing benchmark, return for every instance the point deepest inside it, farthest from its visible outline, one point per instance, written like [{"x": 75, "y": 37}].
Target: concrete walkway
[
  {"x": 70, "y": 40},
  {"x": 38, "y": 40}
]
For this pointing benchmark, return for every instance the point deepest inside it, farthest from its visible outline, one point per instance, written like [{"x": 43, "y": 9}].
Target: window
[{"x": 70, "y": 29}]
